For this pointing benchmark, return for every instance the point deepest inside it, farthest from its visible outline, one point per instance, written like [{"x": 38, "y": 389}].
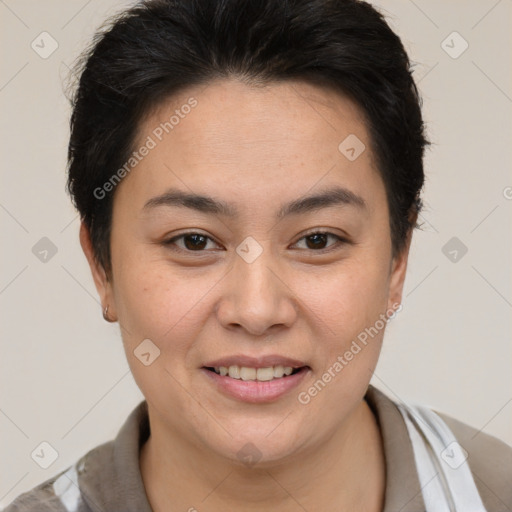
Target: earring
[{"x": 105, "y": 315}]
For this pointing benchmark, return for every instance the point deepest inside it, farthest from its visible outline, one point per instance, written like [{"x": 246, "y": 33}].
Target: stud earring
[{"x": 105, "y": 315}]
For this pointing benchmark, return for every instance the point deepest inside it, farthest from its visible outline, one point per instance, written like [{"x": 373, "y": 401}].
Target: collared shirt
[{"x": 108, "y": 478}]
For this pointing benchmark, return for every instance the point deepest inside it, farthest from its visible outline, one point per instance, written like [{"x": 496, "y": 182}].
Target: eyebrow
[{"x": 327, "y": 198}]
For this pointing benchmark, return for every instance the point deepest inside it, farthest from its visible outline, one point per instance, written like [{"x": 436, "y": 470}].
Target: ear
[
  {"x": 101, "y": 280},
  {"x": 398, "y": 271}
]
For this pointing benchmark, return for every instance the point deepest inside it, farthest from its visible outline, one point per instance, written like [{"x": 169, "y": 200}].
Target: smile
[
  {"x": 256, "y": 385},
  {"x": 259, "y": 374}
]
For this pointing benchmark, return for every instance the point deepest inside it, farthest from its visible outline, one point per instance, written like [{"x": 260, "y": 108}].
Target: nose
[{"x": 256, "y": 297}]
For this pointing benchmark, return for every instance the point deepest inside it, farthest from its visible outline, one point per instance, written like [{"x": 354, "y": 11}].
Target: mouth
[
  {"x": 247, "y": 373},
  {"x": 255, "y": 384}
]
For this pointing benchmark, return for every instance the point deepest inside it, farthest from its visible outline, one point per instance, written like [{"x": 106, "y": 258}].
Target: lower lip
[{"x": 255, "y": 391}]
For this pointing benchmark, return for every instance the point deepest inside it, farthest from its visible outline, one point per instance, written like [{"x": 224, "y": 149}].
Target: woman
[{"x": 248, "y": 176}]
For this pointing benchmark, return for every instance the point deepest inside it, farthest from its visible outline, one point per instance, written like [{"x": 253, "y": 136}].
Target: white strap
[
  {"x": 66, "y": 488},
  {"x": 445, "y": 477}
]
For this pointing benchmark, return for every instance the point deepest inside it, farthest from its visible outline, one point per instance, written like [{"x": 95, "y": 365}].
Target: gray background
[{"x": 64, "y": 376}]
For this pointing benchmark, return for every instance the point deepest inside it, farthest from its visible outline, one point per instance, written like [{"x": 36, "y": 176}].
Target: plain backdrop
[{"x": 64, "y": 375}]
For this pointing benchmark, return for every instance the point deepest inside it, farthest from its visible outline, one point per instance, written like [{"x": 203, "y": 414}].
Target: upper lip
[{"x": 255, "y": 362}]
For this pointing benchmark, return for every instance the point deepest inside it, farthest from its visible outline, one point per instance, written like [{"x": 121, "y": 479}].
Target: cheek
[
  {"x": 352, "y": 328},
  {"x": 154, "y": 302},
  {"x": 347, "y": 305},
  {"x": 167, "y": 309},
  {"x": 349, "y": 298}
]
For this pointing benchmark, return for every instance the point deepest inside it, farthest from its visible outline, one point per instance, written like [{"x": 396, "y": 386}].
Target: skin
[{"x": 257, "y": 148}]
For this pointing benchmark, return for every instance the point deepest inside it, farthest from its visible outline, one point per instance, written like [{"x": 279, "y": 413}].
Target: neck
[{"x": 346, "y": 472}]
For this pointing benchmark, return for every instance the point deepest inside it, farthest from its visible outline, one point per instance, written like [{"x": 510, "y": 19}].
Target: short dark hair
[{"x": 160, "y": 47}]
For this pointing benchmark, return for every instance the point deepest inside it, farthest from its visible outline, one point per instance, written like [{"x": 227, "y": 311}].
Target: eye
[
  {"x": 198, "y": 242},
  {"x": 192, "y": 242},
  {"x": 318, "y": 239}
]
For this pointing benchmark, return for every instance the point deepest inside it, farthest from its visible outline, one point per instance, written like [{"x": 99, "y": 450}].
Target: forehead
[
  {"x": 255, "y": 143},
  {"x": 280, "y": 113}
]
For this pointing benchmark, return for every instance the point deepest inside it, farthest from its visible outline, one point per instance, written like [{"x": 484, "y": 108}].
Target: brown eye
[
  {"x": 317, "y": 241},
  {"x": 191, "y": 242}
]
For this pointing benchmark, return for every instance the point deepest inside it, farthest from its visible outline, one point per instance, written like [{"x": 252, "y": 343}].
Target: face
[{"x": 286, "y": 261}]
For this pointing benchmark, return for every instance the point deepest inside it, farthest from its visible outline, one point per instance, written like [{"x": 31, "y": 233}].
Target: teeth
[
  {"x": 260, "y": 374},
  {"x": 234, "y": 372},
  {"x": 265, "y": 373},
  {"x": 278, "y": 371},
  {"x": 246, "y": 373}
]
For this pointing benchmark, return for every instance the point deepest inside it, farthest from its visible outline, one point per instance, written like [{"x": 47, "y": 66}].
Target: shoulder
[
  {"x": 62, "y": 492},
  {"x": 490, "y": 461},
  {"x": 57, "y": 494},
  {"x": 108, "y": 474}
]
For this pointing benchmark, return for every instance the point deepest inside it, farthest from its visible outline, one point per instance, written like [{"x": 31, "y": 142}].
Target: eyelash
[{"x": 340, "y": 241}]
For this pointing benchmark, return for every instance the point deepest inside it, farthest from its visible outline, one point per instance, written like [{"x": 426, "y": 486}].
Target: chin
[{"x": 261, "y": 445}]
